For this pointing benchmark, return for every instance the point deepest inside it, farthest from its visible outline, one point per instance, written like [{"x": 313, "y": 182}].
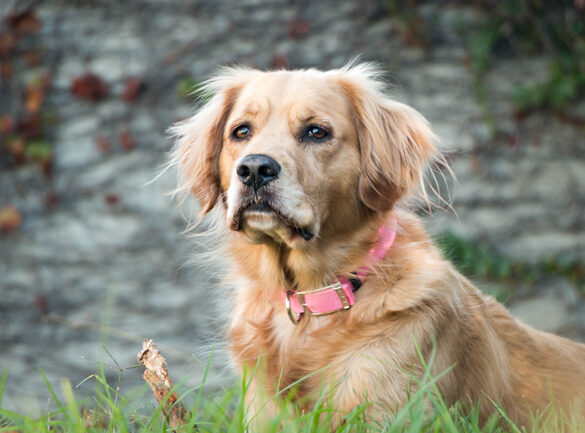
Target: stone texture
[
  {"x": 105, "y": 267},
  {"x": 552, "y": 306}
]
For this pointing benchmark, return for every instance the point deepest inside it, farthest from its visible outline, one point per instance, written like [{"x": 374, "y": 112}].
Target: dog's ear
[
  {"x": 200, "y": 140},
  {"x": 396, "y": 142}
]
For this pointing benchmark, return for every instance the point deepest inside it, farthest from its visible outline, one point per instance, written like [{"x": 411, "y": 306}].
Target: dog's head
[{"x": 297, "y": 155}]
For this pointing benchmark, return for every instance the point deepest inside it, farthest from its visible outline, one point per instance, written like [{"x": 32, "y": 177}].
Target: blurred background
[{"x": 92, "y": 258}]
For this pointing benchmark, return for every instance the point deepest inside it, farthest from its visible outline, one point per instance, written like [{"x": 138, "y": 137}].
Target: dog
[{"x": 334, "y": 279}]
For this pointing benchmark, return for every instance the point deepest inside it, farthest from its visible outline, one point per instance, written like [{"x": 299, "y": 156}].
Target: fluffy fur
[{"x": 340, "y": 189}]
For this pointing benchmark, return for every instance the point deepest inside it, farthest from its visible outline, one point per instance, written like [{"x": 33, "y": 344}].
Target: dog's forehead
[{"x": 291, "y": 91}]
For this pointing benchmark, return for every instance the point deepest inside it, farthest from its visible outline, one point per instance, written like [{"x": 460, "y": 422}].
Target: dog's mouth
[{"x": 257, "y": 207}]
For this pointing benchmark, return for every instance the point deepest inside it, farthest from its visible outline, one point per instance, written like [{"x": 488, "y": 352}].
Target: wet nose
[{"x": 257, "y": 170}]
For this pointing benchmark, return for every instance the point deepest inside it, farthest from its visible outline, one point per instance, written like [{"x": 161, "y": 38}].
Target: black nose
[{"x": 257, "y": 170}]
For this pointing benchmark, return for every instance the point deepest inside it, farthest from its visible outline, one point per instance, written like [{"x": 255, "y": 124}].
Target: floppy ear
[
  {"x": 396, "y": 142},
  {"x": 199, "y": 143}
]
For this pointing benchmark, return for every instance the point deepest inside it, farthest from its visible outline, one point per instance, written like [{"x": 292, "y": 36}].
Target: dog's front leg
[{"x": 261, "y": 408}]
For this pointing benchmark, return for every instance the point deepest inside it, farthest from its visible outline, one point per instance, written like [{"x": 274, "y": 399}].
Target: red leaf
[
  {"x": 280, "y": 61},
  {"x": 30, "y": 127},
  {"x": 33, "y": 57},
  {"x": 7, "y": 43},
  {"x": 47, "y": 167},
  {"x": 103, "y": 144},
  {"x": 6, "y": 70},
  {"x": 134, "y": 87},
  {"x": 512, "y": 140},
  {"x": 519, "y": 115},
  {"x": 126, "y": 140},
  {"x": 23, "y": 22},
  {"x": 41, "y": 304},
  {"x": 51, "y": 199},
  {"x": 297, "y": 28},
  {"x": 112, "y": 199},
  {"x": 6, "y": 124},
  {"x": 16, "y": 146},
  {"x": 89, "y": 86},
  {"x": 10, "y": 218}
]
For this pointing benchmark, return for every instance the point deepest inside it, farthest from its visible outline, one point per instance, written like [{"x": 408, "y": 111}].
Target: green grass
[{"x": 110, "y": 410}]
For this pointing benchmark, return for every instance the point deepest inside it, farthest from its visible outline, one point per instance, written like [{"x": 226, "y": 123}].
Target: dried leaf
[
  {"x": 7, "y": 44},
  {"x": 51, "y": 199},
  {"x": 33, "y": 57},
  {"x": 23, "y": 22},
  {"x": 6, "y": 124},
  {"x": 30, "y": 127},
  {"x": 41, "y": 304},
  {"x": 126, "y": 140},
  {"x": 297, "y": 28},
  {"x": 103, "y": 144},
  {"x": 16, "y": 146},
  {"x": 35, "y": 95},
  {"x": 512, "y": 140},
  {"x": 10, "y": 218},
  {"x": 89, "y": 86},
  {"x": 5, "y": 70},
  {"x": 47, "y": 167},
  {"x": 519, "y": 115},
  {"x": 134, "y": 87},
  {"x": 112, "y": 198},
  {"x": 280, "y": 61}
]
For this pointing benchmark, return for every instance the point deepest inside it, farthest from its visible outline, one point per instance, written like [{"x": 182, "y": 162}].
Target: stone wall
[{"x": 98, "y": 259}]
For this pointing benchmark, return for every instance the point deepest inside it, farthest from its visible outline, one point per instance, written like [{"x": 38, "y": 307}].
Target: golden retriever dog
[{"x": 307, "y": 171}]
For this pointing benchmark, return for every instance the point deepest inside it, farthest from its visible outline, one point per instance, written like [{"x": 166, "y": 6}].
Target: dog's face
[
  {"x": 290, "y": 156},
  {"x": 295, "y": 156}
]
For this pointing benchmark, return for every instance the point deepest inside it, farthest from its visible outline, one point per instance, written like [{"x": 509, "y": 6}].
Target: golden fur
[{"x": 341, "y": 190}]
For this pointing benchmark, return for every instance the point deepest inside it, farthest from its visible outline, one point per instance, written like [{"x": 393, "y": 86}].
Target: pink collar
[{"x": 339, "y": 295}]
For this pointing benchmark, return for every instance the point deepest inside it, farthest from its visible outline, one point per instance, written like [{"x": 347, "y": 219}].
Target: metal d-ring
[{"x": 289, "y": 309}]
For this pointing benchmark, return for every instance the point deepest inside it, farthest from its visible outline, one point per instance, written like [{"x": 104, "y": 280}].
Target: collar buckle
[{"x": 301, "y": 298}]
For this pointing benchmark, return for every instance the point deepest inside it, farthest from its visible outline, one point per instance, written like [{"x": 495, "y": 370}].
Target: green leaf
[{"x": 38, "y": 150}]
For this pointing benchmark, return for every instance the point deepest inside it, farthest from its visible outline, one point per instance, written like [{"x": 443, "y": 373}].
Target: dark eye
[
  {"x": 316, "y": 133},
  {"x": 241, "y": 132}
]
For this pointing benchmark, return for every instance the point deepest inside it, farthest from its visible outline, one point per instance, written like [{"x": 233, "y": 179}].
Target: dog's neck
[{"x": 279, "y": 268}]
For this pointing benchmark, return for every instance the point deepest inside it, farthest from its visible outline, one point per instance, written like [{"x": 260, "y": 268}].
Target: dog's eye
[
  {"x": 316, "y": 133},
  {"x": 241, "y": 132}
]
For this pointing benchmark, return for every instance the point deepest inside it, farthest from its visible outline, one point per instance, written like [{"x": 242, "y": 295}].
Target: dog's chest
[
  {"x": 286, "y": 349},
  {"x": 298, "y": 351}
]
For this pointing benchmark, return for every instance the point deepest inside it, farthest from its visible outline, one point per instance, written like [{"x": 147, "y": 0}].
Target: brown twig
[{"x": 157, "y": 376}]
